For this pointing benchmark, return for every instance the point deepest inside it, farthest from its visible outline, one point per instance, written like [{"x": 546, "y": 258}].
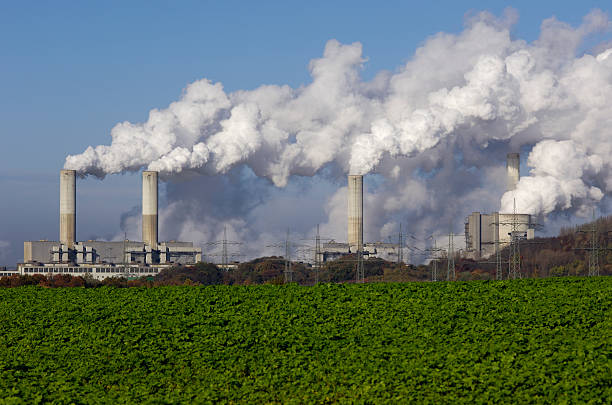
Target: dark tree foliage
[
  {"x": 564, "y": 255},
  {"x": 200, "y": 273}
]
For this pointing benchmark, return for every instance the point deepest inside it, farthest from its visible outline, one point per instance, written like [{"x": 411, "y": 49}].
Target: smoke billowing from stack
[
  {"x": 355, "y": 212},
  {"x": 149, "y": 208},
  {"x": 512, "y": 170},
  {"x": 68, "y": 207},
  {"x": 432, "y": 128}
]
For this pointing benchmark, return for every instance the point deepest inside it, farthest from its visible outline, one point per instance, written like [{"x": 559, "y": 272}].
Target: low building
[
  {"x": 484, "y": 233},
  {"x": 102, "y": 259}
]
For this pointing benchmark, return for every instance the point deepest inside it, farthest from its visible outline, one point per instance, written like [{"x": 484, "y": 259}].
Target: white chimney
[
  {"x": 149, "y": 208},
  {"x": 355, "y": 212},
  {"x": 68, "y": 207}
]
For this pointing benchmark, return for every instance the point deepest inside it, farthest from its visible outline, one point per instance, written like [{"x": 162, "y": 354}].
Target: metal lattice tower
[
  {"x": 499, "y": 273},
  {"x": 516, "y": 238},
  {"x": 594, "y": 256},
  {"x": 514, "y": 261},
  {"x": 450, "y": 258},
  {"x": 400, "y": 248},
  {"x": 593, "y": 248},
  {"x": 434, "y": 268},
  {"x": 318, "y": 258},
  {"x": 291, "y": 247},
  {"x": 288, "y": 271},
  {"x": 360, "y": 270},
  {"x": 225, "y": 253}
]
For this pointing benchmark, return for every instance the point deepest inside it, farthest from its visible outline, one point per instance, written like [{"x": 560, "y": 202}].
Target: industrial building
[
  {"x": 104, "y": 259},
  {"x": 333, "y": 250},
  {"x": 484, "y": 233}
]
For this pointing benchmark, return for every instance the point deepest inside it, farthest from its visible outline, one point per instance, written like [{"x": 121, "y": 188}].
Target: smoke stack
[
  {"x": 355, "y": 212},
  {"x": 512, "y": 170},
  {"x": 149, "y": 208},
  {"x": 67, "y": 207}
]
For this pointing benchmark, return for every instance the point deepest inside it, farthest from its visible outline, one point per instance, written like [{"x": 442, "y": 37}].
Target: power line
[
  {"x": 225, "y": 253},
  {"x": 593, "y": 248},
  {"x": 450, "y": 257}
]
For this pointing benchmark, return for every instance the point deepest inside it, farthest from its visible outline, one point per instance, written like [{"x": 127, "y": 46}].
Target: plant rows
[{"x": 524, "y": 341}]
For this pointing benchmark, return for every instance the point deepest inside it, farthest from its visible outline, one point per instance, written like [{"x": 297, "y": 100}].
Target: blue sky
[{"x": 70, "y": 70}]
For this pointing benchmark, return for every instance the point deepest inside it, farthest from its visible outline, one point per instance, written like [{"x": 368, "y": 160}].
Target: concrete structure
[
  {"x": 355, "y": 212},
  {"x": 100, "y": 258},
  {"x": 484, "y": 231},
  {"x": 513, "y": 162},
  {"x": 98, "y": 271},
  {"x": 4, "y": 272},
  {"x": 149, "y": 208},
  {"x": 68, "y": 207},
  {"x": 333, "y": 250}
]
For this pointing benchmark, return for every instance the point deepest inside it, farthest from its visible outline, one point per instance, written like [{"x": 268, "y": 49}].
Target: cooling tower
[
  {"x": 355, "y": 212},
  {"x": 512, "y": 170},
  {"x": 67, "y": 207},
  {"x": 149, "y": 208}
]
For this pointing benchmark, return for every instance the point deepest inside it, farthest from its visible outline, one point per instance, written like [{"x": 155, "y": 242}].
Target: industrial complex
[
  {"x": 102, "y": 259},
  {"x": 486, "y": 234},
  {"x": 355, "y": 243}
]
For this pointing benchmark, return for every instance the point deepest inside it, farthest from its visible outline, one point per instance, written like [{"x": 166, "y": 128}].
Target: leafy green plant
[{"x": 524, "y": 341}]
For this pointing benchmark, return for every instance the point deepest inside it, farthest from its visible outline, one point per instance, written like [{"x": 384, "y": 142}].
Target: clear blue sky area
[{"x": 70, "y": 70}]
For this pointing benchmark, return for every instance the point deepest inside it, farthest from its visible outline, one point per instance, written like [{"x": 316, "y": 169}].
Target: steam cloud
[{"x": 437, "y": 127}]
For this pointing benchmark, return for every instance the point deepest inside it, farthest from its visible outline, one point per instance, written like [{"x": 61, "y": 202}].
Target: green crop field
[{"x": 540, "y": 341}]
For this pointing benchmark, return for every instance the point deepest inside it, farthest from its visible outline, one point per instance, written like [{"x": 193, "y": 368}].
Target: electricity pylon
[
  {"x": 360, "y": 277},
  {"x": 514, "y": 261},
  {"x": 225, "y": 254},
  {"x": 450, "y": 256},
  {"x": 434, "y": 251},
  {"x": 593, "y": 248},
  {"x": 516, "y": 238},
  {"x": 400, "y": 248}
]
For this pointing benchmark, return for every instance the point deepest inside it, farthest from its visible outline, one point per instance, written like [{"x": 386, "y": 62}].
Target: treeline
[
  {"x": 565, "y": 255},
  {"x": 267, "y": 270},
  {"x": 568, "y": 254}
]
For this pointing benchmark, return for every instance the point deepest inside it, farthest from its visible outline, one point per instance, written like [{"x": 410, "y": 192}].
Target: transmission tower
[
  {"x": 317, "y": 250},
  {"x": 400, "y": 247},
  {"x": 318, "y": 258},
  {"x": 435, "y": 251},
  {"x": 360, "y": 270},
  {"x": 288, "y": 271},
  {"x": 225, "y": 253},
  {"x": 593, "y": 248},
  {"x": 514, "y": 261},
  {"x": 516, "y": 237},
  {"x": 450, "y": 259},
  {"x": 290, "y": 247}
]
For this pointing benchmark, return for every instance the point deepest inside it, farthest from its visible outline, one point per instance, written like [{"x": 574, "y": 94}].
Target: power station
[
  {"x": 485, "y": 233},
  {"x": 355, "y": 243},
  {"x": 104, "y": 259}
]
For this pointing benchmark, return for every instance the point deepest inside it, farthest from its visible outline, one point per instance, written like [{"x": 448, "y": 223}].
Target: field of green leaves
[{"x": 537, "y": 340}]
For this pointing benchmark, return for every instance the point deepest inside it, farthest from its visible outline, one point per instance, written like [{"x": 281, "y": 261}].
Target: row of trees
[
  {"x": 267, "y": 270},
  {"x": 563, "y": 255}
]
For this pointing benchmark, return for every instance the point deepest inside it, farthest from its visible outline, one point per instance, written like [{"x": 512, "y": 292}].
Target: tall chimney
[
  {"x": 512, "y": 170},
  {"x": 355, "y": 212},
  {"x": 67, "y": 207},
  {"x": 149, "y": 208}
]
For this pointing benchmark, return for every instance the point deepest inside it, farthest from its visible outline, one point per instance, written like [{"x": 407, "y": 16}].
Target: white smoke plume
[{"x": 436, "y": 130}]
